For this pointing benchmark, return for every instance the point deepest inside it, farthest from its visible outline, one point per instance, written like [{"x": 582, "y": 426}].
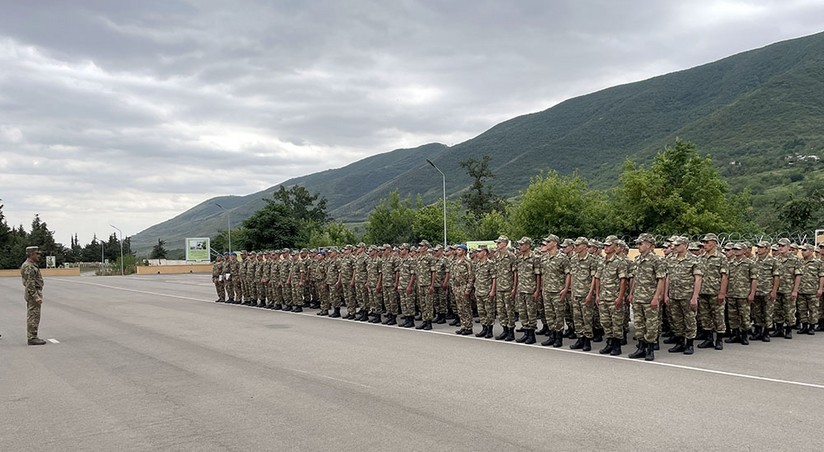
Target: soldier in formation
[{"x": 706, "y": 290}]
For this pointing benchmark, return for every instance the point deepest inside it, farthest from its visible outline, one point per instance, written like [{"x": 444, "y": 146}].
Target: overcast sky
[{"x": 129, "y": 113}]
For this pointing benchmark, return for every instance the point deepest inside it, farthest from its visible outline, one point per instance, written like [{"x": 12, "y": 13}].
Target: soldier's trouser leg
[
  {"x": 262, "y": 291},
  {"x": 489, "y": 308},
  {"x": 32, "y": 317},
  {"x": 252, "y": 288},
  {"x": 504, "y": 305},
  {"x": 297, "y": 295},
  {"x": 334, "y": 296},
  {"x": 238, "y": 289},
  {"x": 425, "y": 302},
  {"x": 482, "y": 311},
  {"x": 711, "y": 313},
  {"x": 739, "y": 313},
  {"x": 349, "y": 298},
  {"x": 407, "y": 303},
  {"x": 807, "y": 307},
  {"x": 528, "y": 310},
  {"x": 390, "y": 298},
  {"x": 646, "y": 322},
  {"x": 439, "y": 300},
  {"x": 785, "y": 308},
  {"x": 778, "y": 310},
  {"x": 759, "y": 314},
  {"x": 374, "y": 301},
  {"x": 612, "y": 319},
  {"x": 683, "y": 317},
  {"x": 541, "y": 306},
  {"x": 464, "y": 307},
  {"x": 568, "y": 318},
  {"x": 323, "y": 297},
  {"x": 582, "y": 316},
  {"x": 596, "y": 315},
  {"x": 554, "y": 309},
  {"x": 221, "y": 291},
  {"x": 362, "y": 294}
]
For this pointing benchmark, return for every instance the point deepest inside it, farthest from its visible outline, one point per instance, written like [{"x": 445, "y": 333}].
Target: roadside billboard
[{"x": 197, "y": 249}]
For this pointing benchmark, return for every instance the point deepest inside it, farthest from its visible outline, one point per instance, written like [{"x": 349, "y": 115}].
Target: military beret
[
  {"x": 582, "y": 241},
  {"x": 524, "y": 240},
  {"x": 462, "y": 246},
  {"x": 783, "y": 242},
  {"x": 502, "y": 238},
  {"x": 645, "y": 237}
]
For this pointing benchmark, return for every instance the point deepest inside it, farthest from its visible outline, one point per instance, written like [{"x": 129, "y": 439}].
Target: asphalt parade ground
[{"x": 152, "y": 363}]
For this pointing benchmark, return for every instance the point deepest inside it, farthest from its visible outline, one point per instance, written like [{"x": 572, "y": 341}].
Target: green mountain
[{"x": 752, "y": 112}]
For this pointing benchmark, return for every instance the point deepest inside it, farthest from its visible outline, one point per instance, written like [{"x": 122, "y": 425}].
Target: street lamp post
[
  {"x": 228, "y": 225},
  {"x": 102, "y": 255},
  {"x": 444, "y": 199},
  {"x": 122, "y": 272}
]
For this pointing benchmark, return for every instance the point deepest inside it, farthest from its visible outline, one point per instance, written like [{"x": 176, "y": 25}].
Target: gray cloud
[{"x": 129, "y": 113}]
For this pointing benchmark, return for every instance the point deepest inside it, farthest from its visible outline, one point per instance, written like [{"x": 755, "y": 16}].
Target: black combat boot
[
  {"x": 524, "y": 337},
  {"x": 530, "y": 337},
  {"x": 736, "y": 337},
  {"x": 297, "y": 308},
  {"x": 483, "y": 331},
  {"x": 277, "y": 307},
  {"x": 656, "y": 345},
  {"x": 688, "y": 350},
  {"x": 544, "y": 330},
  {"x": 409, "y": 322},
  {"x": 758, "y": 333},
  {"x": 788, "y": 332},
  {"x": 811, "y": 330},
  {"x": 391, "y": 319},
  {"x": 440, "y": 319},
  {"x": 570, "y": 334},
  {"x": 559, "y": 339},
  {"x": 503, "y": 335},
  {"x": 455, "y": 322},
  {"x": 489, "y": 332},
  {"x": 624, "y": 339},
  {"x": 323, "y": 312},
  {"x": 427, "y": 325},
  {"x": 607, "y": 348},
  {"x": 364, "y": 315},
  {"x": 386, "y": 320},
  {"x": 598, "y": 335},
  {"x": 640, "y": 351},
  {"x": 708, "y": 342},
  {"x": 587, "y": 344},
  {"x": 719, "y": 343},
  {"x": 650, "y": 355},
  {"x": 616, "y": 348},
  {"x": 262, "y": 303},
  {"x": 418, "y": 316},
  {"x": 671, "y": 340},
  {"x": 765, "y": 337},
  {"x": 779, "y": 330},
  {"x": 510, "y": 336},
  {"x": 421, "y": 326},
  {"x": 550, "y": 340},
  {"x": 820, "y": 326},
  {"x": 579, "y": 344},
  {"x": 744, "y": 340},
  {"x": 376, "y": 318},
  {"x": 803, "y": 329},
  {"x": 679, "y": 345}
]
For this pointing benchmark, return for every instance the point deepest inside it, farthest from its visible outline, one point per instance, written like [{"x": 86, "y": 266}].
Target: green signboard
[{"x": 197, "y": 249}]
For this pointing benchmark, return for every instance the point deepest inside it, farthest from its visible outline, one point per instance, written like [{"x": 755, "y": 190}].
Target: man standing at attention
[
  {"x": 33, "y": 283},
  {"x": 647, "y": 293}
]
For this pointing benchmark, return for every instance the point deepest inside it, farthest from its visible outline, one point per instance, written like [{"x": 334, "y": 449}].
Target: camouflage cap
[
  {"x": 581, "y": 241},
  {"x": 525, "y": 240},
  {"x": 747, "y": 244},
  {"x": 424, "y": 243},
  {"x": 611, "y": 240},
  {"x": 645, "y": 237},
  {"x": 361, "y": 245},
  {"x": 622, "y": 244},
  {"x": 680, "y": 240},
  {"x": 794, "y": 246},
  {"x": 763, "y": 244},
  {"x": 482, "y": 247},
  {"x": 32, "y": 249},
  {"x": 738, "y": 246},
  {"x": 694, "y": 246},
  {"x": 709, "y": 237},
  {"x": 502, "y": 238},
  {"x": 567, "y": 242},
  {"x": 783, "y": 242},
  {"x": 551, "y": 238},
  {"x": 774, "y": 247},
  {"x": 728, "y": 245},
  {"x": 253, "y": 253},
  {"x": 404, "y": 246},
  {"x": 596, "y": 243},
  {"x": 808, "y": 247}
]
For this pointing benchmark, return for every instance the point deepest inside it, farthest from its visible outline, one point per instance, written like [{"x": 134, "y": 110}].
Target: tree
[
  {"x": 273, "y": 226},
  {"x": 560, "y": 205},
  {"x": 680, "y": 193},
  {"x": 391, "y": 221},
  {"x": 428, "y": 223},
  {"x": 479, "y": 198},
  {"x": 333, "y": 234},
  {"x": 159, "y": 250},
  {"x": 302, "y": 205}
]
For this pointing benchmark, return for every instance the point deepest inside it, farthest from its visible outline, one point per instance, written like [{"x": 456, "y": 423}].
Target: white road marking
[
  {"x": 328, "y": 377},
  {"x": 53, "y": 341},
  {"x": 472, "y": 337}
]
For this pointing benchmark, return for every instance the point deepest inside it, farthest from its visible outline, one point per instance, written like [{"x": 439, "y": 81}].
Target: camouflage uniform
[
  {"x": 504, "y": 279},
  {"x": 583, "y": 269},
  {"x": 439, "y": 298},
  {"x": 743, "y": 272},
  {"x": 406, "y": 267},
  {"x": 424, "y": 266},
  {"x": 461, "y": 279},
  {"x": 612, "y": 271},
  {"x": 347, "y": 271},
  {"x": 787, "y": 269},
  {"x": 648, "y": 271},
  {"x": 389, "y": 267},
  {"x": 296, "y": 275},
  {"x": 812, "y": 270},
  {"x": 284, "y": 283},
  {"x": 762, "y": 308},
  {"x": 484, "y": 272},
  {"x": 361, "y": 277},
  {"x": 527, "y": 267},
  {"x": 554, "y": 270},
  {"x": 262, "y": 275},
  {"x": 373, "y": 272},
  {"x": 331, "y": 283},
  {"x": 217, "y": 279},
  {"x": 710, "y": 311},
  {"x": 236, "y": 279},
  {"x": 33, "y": 294},
  {"x": 682, "y": 273}
]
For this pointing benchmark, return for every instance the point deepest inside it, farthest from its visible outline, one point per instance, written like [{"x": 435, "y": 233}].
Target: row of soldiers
[{"x": 579, "y": 289}]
